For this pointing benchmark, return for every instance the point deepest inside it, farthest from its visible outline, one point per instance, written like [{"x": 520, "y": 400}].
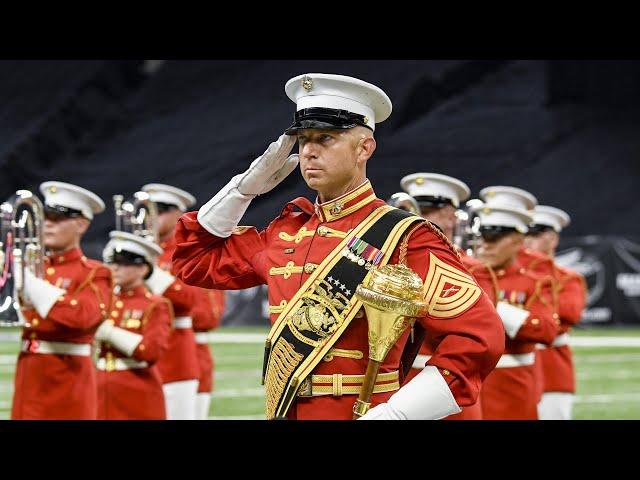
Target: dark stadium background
[{"x": 568, "y": 131}]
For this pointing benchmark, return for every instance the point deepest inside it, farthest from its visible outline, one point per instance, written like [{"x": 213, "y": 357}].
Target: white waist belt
[
  {"x": 516, "y": 360},
  {"x": 120, "y": 364},
  {"x": 560, "y": 341},
  {"x": 182, "y": 322},
  {"x": 202, "y": 338},
  {"x": 420, "y": 361},
  {"x": 56, "y": 348}
]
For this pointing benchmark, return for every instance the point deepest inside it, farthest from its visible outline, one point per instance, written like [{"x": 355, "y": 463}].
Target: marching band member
[
  {"x": 438, "y": 197},
  {"x": 525, "y": 304},
  {"x": 556, "y": 361},
  {"x": 178, "y": 367},
  {"x": 313, "y": 256},
  {"x": 206, "y": 317},
  {"x": 135, "y": 337},
  {"x": 55, "y": 378}
]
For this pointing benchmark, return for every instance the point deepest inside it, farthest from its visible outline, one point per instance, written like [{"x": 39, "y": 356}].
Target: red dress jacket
[
  {"x": 283, "y": 255},
  {"x": 135, "y": 393},
  {"x": 52, "y": 386},
  {"x": 206, "y": 317}
]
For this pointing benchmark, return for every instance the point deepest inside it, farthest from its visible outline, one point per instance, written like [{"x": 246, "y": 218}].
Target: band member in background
[
  {"x": 135, "y": 337},
  {"x": 556, "y": 361},
  {"x": 204, "y": 322},
  {"x": 525, "y": 304},
  {"x": 438, "y": 197},
  {"x": 55, "y": 377},
  {"x": 179, "y": 367},
  {"x": 324, "y": 249}
]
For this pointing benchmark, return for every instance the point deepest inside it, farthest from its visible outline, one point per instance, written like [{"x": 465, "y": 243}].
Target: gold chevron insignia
[{"x": 448, "y": 290}]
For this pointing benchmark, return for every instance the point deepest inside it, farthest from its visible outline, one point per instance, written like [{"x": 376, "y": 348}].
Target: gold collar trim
[{"x": 345, "y": 204}]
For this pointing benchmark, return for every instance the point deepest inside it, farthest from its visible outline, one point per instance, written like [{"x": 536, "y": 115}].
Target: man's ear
[
  {"x": 82, "y": 224},
  {"x": 365, "y": 149}
]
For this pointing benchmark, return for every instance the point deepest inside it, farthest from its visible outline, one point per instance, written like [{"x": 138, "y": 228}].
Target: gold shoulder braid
[{"x": 324, "y": 306}]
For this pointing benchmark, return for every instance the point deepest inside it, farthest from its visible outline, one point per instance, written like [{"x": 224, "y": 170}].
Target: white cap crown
[
  {"x": 159, "y": 192},
  {"x": 504, "y": 217},
  {"x": 435, "y": 185},
  {"x": 128, "y": 242},
  {"x": 551, "y": 217},
  {"x": 71, "y": 196},
  {"x": 510, "y": 197}
]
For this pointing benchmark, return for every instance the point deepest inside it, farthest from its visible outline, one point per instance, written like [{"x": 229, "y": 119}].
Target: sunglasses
[
  {"x": 493, "y": 234},
  {"x": 58, "y": 213},
  {"x": 536, "y": 230},
  {"x": 165, "y": 207},
  {"x": 124, "y": 258}
]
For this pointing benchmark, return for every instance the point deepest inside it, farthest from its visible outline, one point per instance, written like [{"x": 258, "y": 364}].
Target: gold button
[
  {"x": 84, "y": 258},
  {"x": 102, "y": 305},
  {"x": 322, "y": 231},
  {"x": 119, "y": 304},
  {"x": 141, "y": 347},
  {"x": 51, "y": 271},
  {"x": 74, "y": 302},
  {"x": 35, "y": 322},
  {"x": 309, "y": 267},
  {"x": 535, "y": 321},
  {"x": 556, "y": 316},
  {"x": 446, "y": 372},
  {"x": 61, "y": 298},
  {"x": 33, "y": 335},
  {"x": 178, "y": 287},
  {"x": 114, "y": 313},
  {"x": 523, "y": 271},
  {"x": 500, "y": 273}
]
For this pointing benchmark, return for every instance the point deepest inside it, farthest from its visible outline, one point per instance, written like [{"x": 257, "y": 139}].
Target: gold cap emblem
[
  {"x": 366, "y": 119},
  {"x": 307, "y": 83},
  {"x": 419, "y": 181},
  {"x": 53, "y": 189}
]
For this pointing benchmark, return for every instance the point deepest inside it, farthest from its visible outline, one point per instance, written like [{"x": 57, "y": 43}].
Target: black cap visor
[
  {"x": 325, "y": 119},
  {"x": 491, "y": 233}
]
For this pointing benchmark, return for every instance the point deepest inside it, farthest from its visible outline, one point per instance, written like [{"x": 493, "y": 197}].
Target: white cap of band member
[
  {"x": 510, "y": 197},
  {"x": 435, "y": 185},
  {"x": 504, "y": 217},
  {"x": 339, "y": 92},
  {"x": 61, "y": 194},
  {"x": 159, "y": 192},
  {"x": 128, "y": 242},
  {"x": 551, "y": 217}
]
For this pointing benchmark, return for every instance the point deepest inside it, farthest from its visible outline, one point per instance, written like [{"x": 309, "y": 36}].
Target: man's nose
[{"x": 308, "y": 150}]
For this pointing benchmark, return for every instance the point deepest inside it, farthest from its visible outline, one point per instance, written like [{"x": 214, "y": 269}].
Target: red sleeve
[
  {"x": 155, "y": 338},
  {"x": 467, "y": 343},
  {"x": 88, "y": 305},
  {"x": 572, "y": 299},
  {"x": 207, "y": 261},
  {"x": 540, "y": 326},
  {"x": 183, "y": 297},
  {"x": 208, "y": 309}
]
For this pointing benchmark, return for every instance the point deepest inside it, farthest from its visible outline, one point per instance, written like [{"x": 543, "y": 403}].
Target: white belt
[
  {"x": 182, "y": 322},
  {"x": 202, "y": 338},
  {"x": 516, "y": 360},
  {"x": 420, "y": 361},
  {"x": 560, "y": 341},
  {"x": 56, "y": 348},
  {"x": 120, "y": 364}
]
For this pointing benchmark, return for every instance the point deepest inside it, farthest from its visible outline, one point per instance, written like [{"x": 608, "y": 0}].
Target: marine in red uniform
[
  {"x": 438, "y": 197},
  {"x": 334, "y": 126},
  {"x": 206, "y": 317},
  {"x": 524, "y": 302},
  {"x": 556, "y": 361},
  {"x": 55, "y": 378},
  {"x": 135, "y": 337},
  {"x": 179, "y": 366}
]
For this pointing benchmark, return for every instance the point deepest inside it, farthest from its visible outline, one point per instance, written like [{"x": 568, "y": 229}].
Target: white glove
[
  {"x": 426, "y": 397},
  {"x": 159, "y": 281},
  {"x": 223, "y": 212},
  {"x": 122, "y": 339},
  {"x": 40, "y": 293},
  {"x": 512, "y": 317}
]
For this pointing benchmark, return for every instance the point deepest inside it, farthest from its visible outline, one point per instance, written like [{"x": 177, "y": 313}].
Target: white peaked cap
[
  {"x": 159, "y": 192},
  {"x": 339, "y": 92},
  {"x": 435, "y": 185},
  {"x": 511, "y": 197},
  {"x": 551, "y": 216},
  {"x": 504, "y": 217},
  {"x": 71, "y": 196},
  {"x": 128, "y": 242}
]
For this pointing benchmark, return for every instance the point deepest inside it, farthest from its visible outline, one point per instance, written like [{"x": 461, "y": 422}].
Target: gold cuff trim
[
  {"x": 339, "y": 352},
  {"x": 278, "y": 308}
]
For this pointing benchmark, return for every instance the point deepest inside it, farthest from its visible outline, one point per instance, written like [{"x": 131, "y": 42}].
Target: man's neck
[
  {"x": 132, "y": 285},
  {"x": 335, "y": 192},
  {"x": 506, "y": 264},
  {"x": 65, "y": 249}
]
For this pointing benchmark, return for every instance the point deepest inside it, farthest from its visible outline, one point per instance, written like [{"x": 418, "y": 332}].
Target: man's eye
[{"x": 326, "y": 137}]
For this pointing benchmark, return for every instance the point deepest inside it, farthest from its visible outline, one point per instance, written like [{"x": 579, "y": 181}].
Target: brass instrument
[
  {"x": 138, "y": 216},
  {"x": 466, "y": 234},
  {"x": 392, "y": 298},
  {"x": 404, "y": 201},
  {"x": 21, "y": 248}
]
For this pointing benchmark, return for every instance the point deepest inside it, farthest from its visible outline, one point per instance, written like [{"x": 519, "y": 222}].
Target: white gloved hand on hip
[
  {"x": 122, "y": 339},
  {"x": 223, "y": 212}
]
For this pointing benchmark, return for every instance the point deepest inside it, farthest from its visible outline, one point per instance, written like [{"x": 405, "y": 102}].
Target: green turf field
[{"x": 608, "y": 377}]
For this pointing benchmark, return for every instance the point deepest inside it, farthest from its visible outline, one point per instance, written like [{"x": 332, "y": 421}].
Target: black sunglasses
[
  {"x": 165, "y": 207},
  {"x": 58, "y": 213},
  {"x": 493, "y": 234},
  {"x": 535, "y": 230}
]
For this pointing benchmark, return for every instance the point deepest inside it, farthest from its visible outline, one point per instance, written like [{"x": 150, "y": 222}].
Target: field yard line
[
  {"x": 612, "y": 358},
  {"x": 604, "y": 341},
  {"x": 238, "y": 373},
  {"x": 617, "y": 375},
  {"x": 8, "y": 359},
  {"x": 238, "y": 392},
  {"x": 608, "y": 398}
]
